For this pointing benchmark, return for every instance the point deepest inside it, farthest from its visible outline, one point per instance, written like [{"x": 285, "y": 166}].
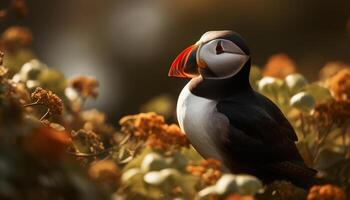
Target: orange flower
[
  {"x": 208, "y": 170},
  {"x": 48, "y": 99},
  {"x": 152, "y": 128},
  {"x": 16, "y": 36},
  {"x": 331, "y": 68},
  {"x": 340, "y": 84},
  {"x": 3, "y": 14},
  {"x": 279, "y": 66},
  {"x": 326, "y": 192},
  {"x": 106, "y": 173},
  {"x": 85, "y": 86},
  {"x": 47, "y": 143},
  {"x": 332, "y": 112},
  {"x": 20, "y": 7}
]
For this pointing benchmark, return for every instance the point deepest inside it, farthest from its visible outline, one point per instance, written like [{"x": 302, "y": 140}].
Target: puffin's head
[{"x": 217, "y": 55}]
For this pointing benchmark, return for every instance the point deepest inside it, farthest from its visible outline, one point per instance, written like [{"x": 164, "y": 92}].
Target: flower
[
  {"x": 152, "y": 128},
  {"x": 3, "y": 72},
  {"x": 105, "y": 173},
  {"x": 48, "y": 99},
  {"x": 302, "y": 101},
  {"x": 208, "y": 170},
  {"x": 85, "y": 141},
  {"x": 340, "y": 84},
  {"x": 279, "y": 66},
  {"x": 331, "y": 68},
  {"x": 153, "y": 162},
  {"x": 3, "y": 14},
  {"x": 47, "y": 143},
  {"x": 326, "y": 192},
  {"x": 171, "y": 136},
  {"x": 332, "y": 112},
  {"x": 20, "y": 7},
  {"x": 16, "y": 36},
  {"x": 295, "y": 82},
  {"x": 239, "y": 197},
  {"x": 85, "y": 86}
]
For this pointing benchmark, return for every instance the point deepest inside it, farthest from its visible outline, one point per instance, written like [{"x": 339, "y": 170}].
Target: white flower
[
  {"x": 295, "y": 82},
  {"x": 248, "y": 185},
  {"x": 303, "y": 101},
  {"x": 153, "y": 162}
]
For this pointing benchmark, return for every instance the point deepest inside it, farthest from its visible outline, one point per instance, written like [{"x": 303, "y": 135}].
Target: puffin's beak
[{"x": 185, "y": 64}]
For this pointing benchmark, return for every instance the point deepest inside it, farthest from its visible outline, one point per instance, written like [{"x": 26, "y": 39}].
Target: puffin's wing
[
  {"x": 278, "y": 116},
  {"x": 261, "y": 141},
  {"x": 260, "y": 124}
]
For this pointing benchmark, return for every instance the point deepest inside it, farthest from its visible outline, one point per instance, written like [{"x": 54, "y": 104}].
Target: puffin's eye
[{"x": 219, "y": 49}]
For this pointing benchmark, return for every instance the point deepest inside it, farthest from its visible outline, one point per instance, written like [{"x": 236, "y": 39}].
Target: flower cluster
[
  {"x": 208, "y": 170},
  {"x": 48, "y": 99},
  {"x": 106, "y": 173},
  {"x": 332, "y": 112},
  {"x": 85, "y": 86},
  {"x": 340, "y": 84},
  {"x": 47, "y": 142},
  {"x": 86, "y": 142},
  {"x": 279, "y": 66},
  {"x": 326, "y": 192},
  {"x": 330, "y": 69},
  {"x": 152, "y": 128},
  {"x": 16, "y": 36}
]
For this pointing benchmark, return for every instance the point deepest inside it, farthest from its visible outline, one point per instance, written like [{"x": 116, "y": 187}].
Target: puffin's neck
[{"x": 222, "y": 88}]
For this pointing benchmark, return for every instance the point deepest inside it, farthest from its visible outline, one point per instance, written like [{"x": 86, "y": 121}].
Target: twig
[
  {"x": 78, "y": 154},
  {"x": 320, "y": 141},
  {"x": 302, "y": 124},
  {"x": 45, "y": 115},
  {"x": 32, "y": 104}
]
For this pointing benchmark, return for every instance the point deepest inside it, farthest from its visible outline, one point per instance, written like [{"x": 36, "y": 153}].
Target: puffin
[{"x": 225, "y": 119}]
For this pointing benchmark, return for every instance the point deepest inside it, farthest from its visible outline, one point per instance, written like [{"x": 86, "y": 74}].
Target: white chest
[{"x": 200, "y": 121}]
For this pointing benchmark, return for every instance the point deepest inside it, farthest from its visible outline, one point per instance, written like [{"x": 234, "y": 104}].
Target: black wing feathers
[{"x": 262, "y": 127}]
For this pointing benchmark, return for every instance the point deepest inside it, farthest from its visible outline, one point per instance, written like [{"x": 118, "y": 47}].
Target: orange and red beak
[{"x": 185, "y": 64}]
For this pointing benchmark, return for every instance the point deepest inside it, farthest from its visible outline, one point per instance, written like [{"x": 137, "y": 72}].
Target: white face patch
[{"x": 224, "y": 64}]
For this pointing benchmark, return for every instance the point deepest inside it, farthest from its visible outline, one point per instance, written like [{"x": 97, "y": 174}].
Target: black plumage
[{"x": 260, "y": 140}]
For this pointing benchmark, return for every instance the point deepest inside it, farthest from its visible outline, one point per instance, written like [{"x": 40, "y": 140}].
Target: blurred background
[{"x": 128, "y": 45}]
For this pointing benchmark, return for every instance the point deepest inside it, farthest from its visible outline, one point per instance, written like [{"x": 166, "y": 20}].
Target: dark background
[{"x": 128, "y": 45}]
